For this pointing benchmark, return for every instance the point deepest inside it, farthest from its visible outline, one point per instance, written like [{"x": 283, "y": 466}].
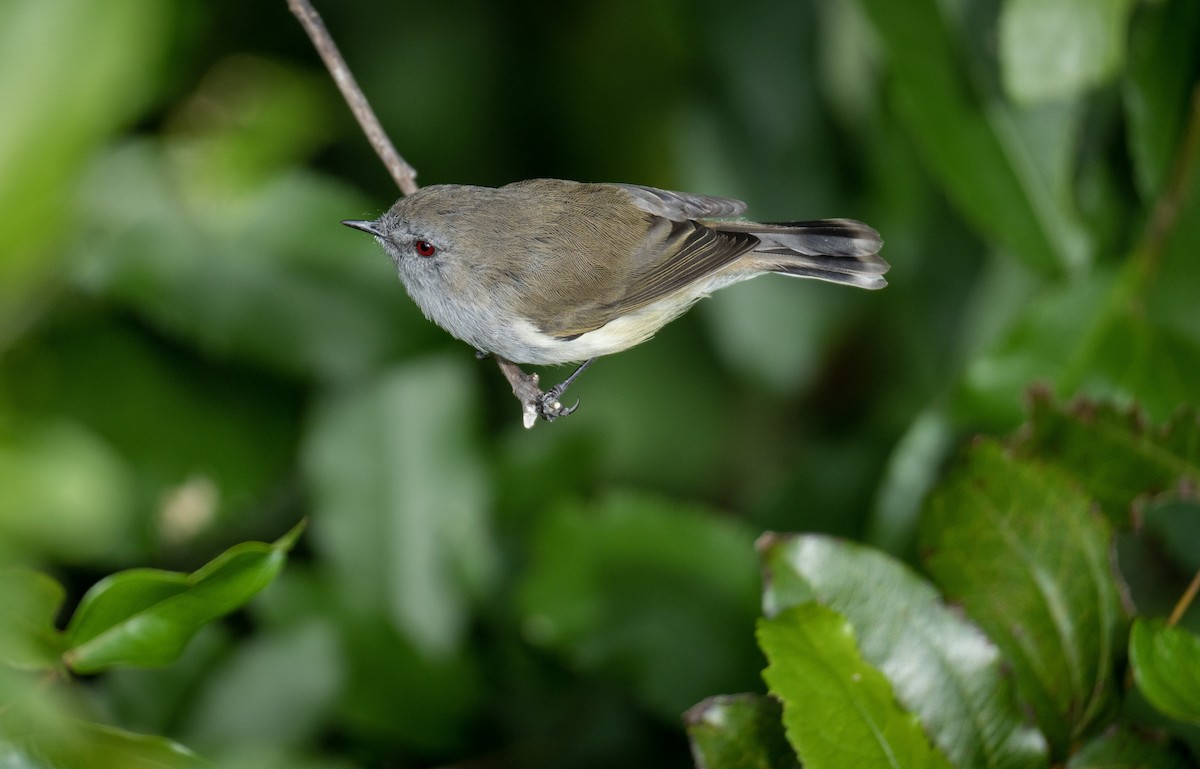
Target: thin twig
[
  {"x": 404, "y": 175},
  {"x": 1184, "y": 601},
  {"x": 1166, "y": 208},
  {"x": 525, "y": 386}
]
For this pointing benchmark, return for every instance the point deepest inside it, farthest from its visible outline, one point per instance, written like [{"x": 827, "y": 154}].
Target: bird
[{"x": 550, "y": 271}]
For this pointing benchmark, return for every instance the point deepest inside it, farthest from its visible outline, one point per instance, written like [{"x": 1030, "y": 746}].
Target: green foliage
[
  {"x": 1115, "y": 455},
  {"x": 1020, "y": 547},
  {"x": 139, "y": 617},
  {"x": 814, "y": 661},
  {"x": 146, "y": 616},
  {"x": 194, "y": 354},
  {"x": 942, "y": 667},
  {"x": 1059, "y": 49},
  {"x": 133, "y": 617},
  {"x": 739, "y": 731},
  {"x": 658, "y": 596},
  {"x": 1000, "y": 522},
  {"x": 1164, "y": 661},
  {"x": 30, "y": 604}
]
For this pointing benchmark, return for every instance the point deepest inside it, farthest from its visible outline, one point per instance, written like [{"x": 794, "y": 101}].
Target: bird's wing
[
  {"x": 680, "y": 206},
  {"x": 675, "y": 254}
]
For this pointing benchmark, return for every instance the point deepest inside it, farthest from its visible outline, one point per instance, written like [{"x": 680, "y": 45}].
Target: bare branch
[
  {"x": 534, "y": 402},
  {"x": 525, "y": 387},
  {"x": 403, "y": 174}
]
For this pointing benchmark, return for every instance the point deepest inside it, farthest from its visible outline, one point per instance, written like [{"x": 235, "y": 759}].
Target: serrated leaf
[
  {"x": 403, "y": 499},
  {"x": 1019, "y": 545},
  {"x": 1166, "y": 666},
  {"x": 838, "y": 710},
  {"x": 657, "y": 595},
  {"x": 1118, "y": 459},
  {"x": 29, "y": 605},
  {"x": 1057, "y": 49},
  {"x": 147, "y": 616},
  {"x": 1124, "y": 749},
  {"x": 941, "y": 666},
  {"x": 739, "y": 731},
  {"x": 1018, "y": 191}
]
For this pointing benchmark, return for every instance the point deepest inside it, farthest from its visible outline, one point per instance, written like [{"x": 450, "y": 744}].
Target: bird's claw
[{"x": 550, "y": 408}]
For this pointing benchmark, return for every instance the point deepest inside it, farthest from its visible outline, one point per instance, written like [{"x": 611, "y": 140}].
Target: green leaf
[
  {"x": 1117, "y": 458},
  {"x": 739, "y": 731},
  {"x": 1124, "y": 749},
  {"x": 41, "y": 48},
  {"x": 1166, "y": 666},
  {"x": 1019, "y": 187},
  {"x": 1157, "y": 87},
  {"x": 95, "y": 746},
  {"x": 147, "y": 616},
  {"x": 659, "y": 596},
  {"x": 29, "y": 605},
  {"x": 1058, "y": 49},
  {"x": 1019, "y": 545},
  {"x": 403, "y": 498},
  {"x": 941, "y": 666},
  {"x": 838, "y": 710}
]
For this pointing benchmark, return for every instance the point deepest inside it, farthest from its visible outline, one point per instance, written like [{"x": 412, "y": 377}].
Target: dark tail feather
[{"x": 836, "y": 250}]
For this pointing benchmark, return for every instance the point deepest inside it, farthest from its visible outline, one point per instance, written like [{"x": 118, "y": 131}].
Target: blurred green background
[{"x": 193, "y": 352}]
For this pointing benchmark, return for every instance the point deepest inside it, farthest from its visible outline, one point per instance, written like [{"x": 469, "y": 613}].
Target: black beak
[{"x": 362, "y": 224}]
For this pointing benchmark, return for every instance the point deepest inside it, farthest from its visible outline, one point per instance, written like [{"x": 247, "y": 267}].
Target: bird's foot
[
  {"x": 536, "y": 404},
  {"x": 550, "y": 407}
]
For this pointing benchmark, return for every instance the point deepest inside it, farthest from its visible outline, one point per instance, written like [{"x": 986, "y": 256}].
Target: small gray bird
[{"x": 547, "y": 271}]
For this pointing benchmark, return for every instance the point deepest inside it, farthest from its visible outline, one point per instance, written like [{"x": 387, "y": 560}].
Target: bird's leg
[
  {"x": 525, "y": 387},
  {"x": 534, "y": 402},
  {"x": 549, "y": 406}
]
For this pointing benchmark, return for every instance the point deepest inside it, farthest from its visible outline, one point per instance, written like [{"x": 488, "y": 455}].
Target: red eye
[{"x": 424, "y": 248}]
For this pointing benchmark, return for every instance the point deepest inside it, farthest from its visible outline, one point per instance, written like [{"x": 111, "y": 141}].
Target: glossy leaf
[
  {"x": 29, "y": 604},
  {"x": 1112, "y": 452},
  {"x": 1019, "y": 545},
  {"x": 147, "y": 616},
  {"x": 1166, "y": 666},
  {"x": 402, "y": 498},
  {"x": 95, "y": 746},
  {"x": 739, "y": 731},
  {"x": 658, "y": 595},
  {"x": 1055, "y": 49},
  {"x": 942, "y": 668},
  {"x": 838, "y": 710}
]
